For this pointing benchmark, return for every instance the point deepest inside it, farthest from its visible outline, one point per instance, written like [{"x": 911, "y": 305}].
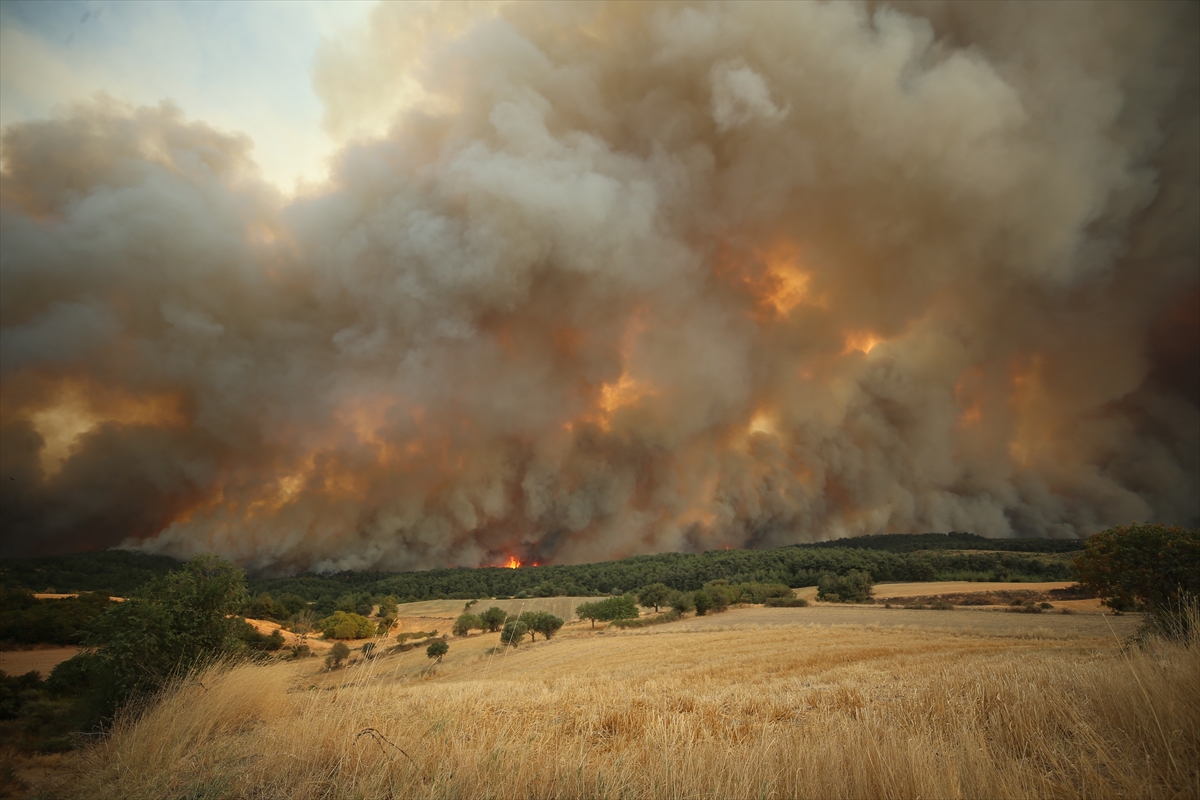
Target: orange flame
[{"x": 513, "y": 563}]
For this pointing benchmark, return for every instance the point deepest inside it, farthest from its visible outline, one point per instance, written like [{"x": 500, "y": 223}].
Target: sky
[
  {"x": 239, "y": 66},
  {"x": 412, "y": 285}
]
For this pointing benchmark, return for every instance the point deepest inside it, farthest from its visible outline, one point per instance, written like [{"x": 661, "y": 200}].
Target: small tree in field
[
  {"x": 494, "y": 618},
  {"x": 437, "y": 650},
  {"x": 702, "y": 600},
  {"x": 853, "y": 587},
  {"x": 513, "y": 632},
  {"x": 682, "y": 602},
  {"x": 339, "y": 653},
  {"x": 542, "y": 622},
  {"x": 465, "y": 623},
  {"x": 588, "y": 611},
  {"x": 656, "y": 594}
]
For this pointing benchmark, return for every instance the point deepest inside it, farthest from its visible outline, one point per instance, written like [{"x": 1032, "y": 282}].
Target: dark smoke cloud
[{"x": 622, "y": 279}]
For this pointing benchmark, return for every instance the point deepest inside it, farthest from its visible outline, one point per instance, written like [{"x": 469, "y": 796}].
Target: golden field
[{"x": 813, "y": 702}]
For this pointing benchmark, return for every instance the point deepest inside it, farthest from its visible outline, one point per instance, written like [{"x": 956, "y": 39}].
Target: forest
[{"x": 886, "y": 558}]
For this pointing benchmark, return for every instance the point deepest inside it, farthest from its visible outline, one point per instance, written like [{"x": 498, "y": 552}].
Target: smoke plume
[{"x": 597, "y": 280}]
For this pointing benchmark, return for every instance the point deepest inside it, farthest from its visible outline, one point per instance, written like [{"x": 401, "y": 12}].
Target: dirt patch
[{"x": 42, "y": 659}]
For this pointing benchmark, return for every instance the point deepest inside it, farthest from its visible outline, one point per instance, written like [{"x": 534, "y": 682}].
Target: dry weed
[{"x": 794, "y": 712}]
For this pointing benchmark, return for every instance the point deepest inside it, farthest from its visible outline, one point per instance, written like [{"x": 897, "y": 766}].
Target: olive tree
[{"x": 437, "y": 650}]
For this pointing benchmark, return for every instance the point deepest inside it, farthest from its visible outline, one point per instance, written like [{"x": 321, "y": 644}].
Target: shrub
[
  {"x": 786, "y": 602},
  {"x": 346, "y": 625},
  {"x": 720, "y": 594},
  {"x": 670, "y": 616},
  {"x": 702, "y": 601},
  {"x": 681, "y": 602},
  {"x": 853, "y": 587},
  {"x": 170, "y": 625},
  {"x": 337, "y": 655}
]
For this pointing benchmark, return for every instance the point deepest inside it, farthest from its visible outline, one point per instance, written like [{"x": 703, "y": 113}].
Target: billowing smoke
[{"x": 623, "y": 279}]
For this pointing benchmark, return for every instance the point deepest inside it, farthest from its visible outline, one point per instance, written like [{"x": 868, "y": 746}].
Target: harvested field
[
  {"x": 41, "y": 659},
  {"x": 821, "y": 702}
]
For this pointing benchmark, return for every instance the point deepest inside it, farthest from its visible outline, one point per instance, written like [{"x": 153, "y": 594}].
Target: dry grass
[{"x": 749, "y": 711}]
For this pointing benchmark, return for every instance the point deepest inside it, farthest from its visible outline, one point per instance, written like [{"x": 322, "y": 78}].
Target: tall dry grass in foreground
[{"x": 805, "y": 712}]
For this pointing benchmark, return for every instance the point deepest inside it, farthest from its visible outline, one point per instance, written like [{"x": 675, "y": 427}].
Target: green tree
[
  {"x": 613, "y": 608},
  {"x": 513, "y": 632},
  {"x": 654, "y": 595},
  {"x": 542, "y": 622},
  {"x": 681, "y": 602},
  {"x": 465, "y": 622},
  {"x": 339, "y": 653},
  {"x": 588, "y": 611},
  {"x": 388, "y": 606},
  {"x": 175, "y": 623},
  {"x": 437, "y": 649},
  {"x": 494, "y": 618},
  {"x": 853, "y": 587},
  {"x": 1148, "y": 566},
  {"x": 343, "y": 625},
  {"x": 718, "y": 592},
  {"x": 702, "y": 601}
]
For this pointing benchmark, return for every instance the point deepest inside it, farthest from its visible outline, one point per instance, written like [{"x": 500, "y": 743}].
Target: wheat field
[{"x": 739, "y": 709}]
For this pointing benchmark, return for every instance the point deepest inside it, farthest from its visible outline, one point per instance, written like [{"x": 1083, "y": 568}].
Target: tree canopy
[{"x": 1148, "y": 566}]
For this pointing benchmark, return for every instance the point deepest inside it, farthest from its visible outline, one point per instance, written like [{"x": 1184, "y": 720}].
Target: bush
[
  {"x": 1141, "y": 566},
  {"x": 169, "y": 626},
  {"x": 681, "y": 602},
  {"x": 670, "y": 616},
  {"x": 786, "y": 602},
  {"x": 853, "y": 587},
  {"x": 346, "y": 625},
  {"x": 339, "y": 653},
  {"x": 702, "y": 601}
]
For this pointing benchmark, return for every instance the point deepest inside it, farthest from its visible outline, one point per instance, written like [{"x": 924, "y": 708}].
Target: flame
[
  {"x": 513, "y": 562},
  {"x": 763, "y": 423},
  {"x": 862, "y": 341},
  {"x": 775, "y": 276}
]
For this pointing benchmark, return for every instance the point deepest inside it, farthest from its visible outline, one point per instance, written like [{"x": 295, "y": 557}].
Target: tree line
[{"x": 794, "y": 566}]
